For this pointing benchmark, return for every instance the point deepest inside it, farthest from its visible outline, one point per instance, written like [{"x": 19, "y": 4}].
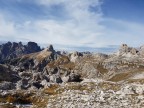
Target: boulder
[
  {"x": 45, "y": 83},
  {"x": 74, "y": 78},
  {"x": 23, "y": 84},
  {"x": 55, "y": 79},
  {"x": 37, "y": 84}
]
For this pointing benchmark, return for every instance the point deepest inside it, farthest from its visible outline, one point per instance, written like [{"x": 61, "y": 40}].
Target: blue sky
[
  {"x": 129, "y": 10},
  {"x": 74, "y": 23}
]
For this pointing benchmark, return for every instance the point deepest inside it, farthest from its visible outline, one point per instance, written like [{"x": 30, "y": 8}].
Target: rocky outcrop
[
  {"x": 74, "y": 56},
  {"x": 6, "y": 74},
  {"x": 50, "y": 48},
  {"x": 35, "y": 61},
  {"x": 32, "y": 47},
  {"x": 125, "y": 49},
  {"x": 74, "y": 78}
]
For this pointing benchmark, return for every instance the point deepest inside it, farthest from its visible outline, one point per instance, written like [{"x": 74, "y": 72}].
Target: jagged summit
[
  {"x": 50, "y": 48},
  {"x": 12, "y": 50},
  {"x": 126, "y": 49}
]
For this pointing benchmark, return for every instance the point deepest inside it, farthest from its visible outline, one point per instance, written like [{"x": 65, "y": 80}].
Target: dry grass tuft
[
  {"x": 101, "y": 69},
  {"x": 109, "y": 86},
  {"x": 52, "y": 90},
  {"x": 120, "y": 77},
  {"x": 141, "y": 81},
  {"x": 62, "y": 62}
]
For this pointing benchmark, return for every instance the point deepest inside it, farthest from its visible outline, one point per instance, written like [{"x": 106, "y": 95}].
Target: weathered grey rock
[
  {"x": 26, "y": 75},
  {"x": 89, "y": 71},
  {"x": 37, "y": 76},
  {"x": 54, "y": 70},
  {"x": 142, "y": 50},
  {"x": 65, "y": 79},
  {"x": 6, "y": 74},
  {"x": 74, "y": 56},
  {"x": 55, "y": 79},
  {"x": 37, "y": 84},
  {"x": 7, "y": 86},
  {"x": 125, "y": 49},
  {"x": 45, "y": 84},
  {"x": 22, "y": 84},
  {"x": 74, "y": 78}
]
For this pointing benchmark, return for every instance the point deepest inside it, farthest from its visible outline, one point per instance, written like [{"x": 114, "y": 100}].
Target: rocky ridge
[{"x": 42, "y": 79}]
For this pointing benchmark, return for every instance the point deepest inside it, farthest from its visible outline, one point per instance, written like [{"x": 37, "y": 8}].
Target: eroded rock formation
[{"x": 50, "y": 78}]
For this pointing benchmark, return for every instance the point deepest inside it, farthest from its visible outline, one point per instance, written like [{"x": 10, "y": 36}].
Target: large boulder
[{"x": 74, "y": 78}]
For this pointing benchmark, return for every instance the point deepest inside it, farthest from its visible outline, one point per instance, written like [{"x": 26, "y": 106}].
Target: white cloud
[
  {"x": 6, "y": 28},
  {"x": 9, "y": 30},
  {"x": 119, "y": 31},
  {"x": 82, "y": 27}
]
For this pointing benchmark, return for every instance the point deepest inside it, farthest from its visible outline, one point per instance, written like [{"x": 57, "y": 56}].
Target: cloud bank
[{"x": 78, "y": 23}]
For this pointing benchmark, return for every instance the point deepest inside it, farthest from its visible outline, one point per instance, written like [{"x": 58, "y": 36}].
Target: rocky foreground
[{"x": 34, "y": 78}]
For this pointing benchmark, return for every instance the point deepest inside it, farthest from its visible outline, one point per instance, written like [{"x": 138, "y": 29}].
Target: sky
[{"x": 74, "y": 24}]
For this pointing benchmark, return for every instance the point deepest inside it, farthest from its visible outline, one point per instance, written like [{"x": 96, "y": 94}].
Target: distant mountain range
[
  {"x": 107, "y": 49},
  {"x": 12, "y": 50}
]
